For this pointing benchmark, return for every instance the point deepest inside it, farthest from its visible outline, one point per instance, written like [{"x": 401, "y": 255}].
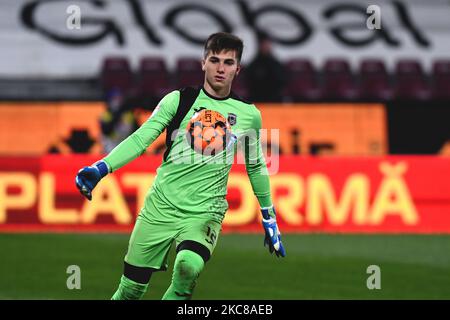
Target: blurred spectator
[
  {"x": 119, "y": 120},
  {"x": 265, "y": 75}
]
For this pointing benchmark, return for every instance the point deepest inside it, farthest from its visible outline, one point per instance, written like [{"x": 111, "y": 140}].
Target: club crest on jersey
[{"x": 232, "y": 118}]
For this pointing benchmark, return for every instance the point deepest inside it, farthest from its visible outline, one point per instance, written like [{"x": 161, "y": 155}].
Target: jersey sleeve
[
  {"x": 136, "y": 143},
  {"x": 255, "y": 163}
]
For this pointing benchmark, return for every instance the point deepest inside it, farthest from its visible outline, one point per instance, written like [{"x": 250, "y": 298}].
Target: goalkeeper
[{"x": 186, "y": 203}]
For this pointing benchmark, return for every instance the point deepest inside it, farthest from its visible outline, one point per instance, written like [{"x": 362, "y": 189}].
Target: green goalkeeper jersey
[{"x": 186, "y": 180}]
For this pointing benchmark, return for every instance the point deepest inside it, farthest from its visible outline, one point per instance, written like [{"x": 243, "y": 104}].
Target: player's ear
[
  {"x": 238, "y": 69},
  {"x": 203, "y": 64}
]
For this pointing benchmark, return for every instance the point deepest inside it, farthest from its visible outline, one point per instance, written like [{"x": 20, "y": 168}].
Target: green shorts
[{"x": 157, "y": 228}]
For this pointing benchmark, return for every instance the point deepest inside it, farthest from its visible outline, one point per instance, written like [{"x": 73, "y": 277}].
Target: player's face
[{"x": 220, "y": 69}]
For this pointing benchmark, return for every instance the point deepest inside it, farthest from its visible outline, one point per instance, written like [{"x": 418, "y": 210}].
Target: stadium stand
[
  {"x": 338, "y": 80},
  {"x": 116, "y": 73},
  {"x": 374, "y": 80},
  {"x": 441, "y": 79},
  {"x": 188, "y": 72},
  {"x": 154, "y": 78},
  {"x": 410, "y": 81},
  {"x": 303, "y": 82},
  {"x": 335, "y": 81}
]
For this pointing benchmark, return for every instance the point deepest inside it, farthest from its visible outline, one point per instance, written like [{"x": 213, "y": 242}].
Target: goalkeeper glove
[
  {"x": 88, "y": 177},
  {"x": 273, "y": 236}
]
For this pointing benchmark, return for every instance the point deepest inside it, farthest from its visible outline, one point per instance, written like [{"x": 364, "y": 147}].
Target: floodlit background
[{"x": 355, "y": 97}]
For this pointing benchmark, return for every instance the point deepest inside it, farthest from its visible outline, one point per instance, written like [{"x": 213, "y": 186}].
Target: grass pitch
[{"x": 317, "y": 266}]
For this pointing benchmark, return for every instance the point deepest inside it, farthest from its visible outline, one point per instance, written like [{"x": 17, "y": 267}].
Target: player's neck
[{"x": 222, "y": 93}]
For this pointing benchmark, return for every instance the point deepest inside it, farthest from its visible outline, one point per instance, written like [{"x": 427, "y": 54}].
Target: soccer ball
[{"x": 208, "y": 132}]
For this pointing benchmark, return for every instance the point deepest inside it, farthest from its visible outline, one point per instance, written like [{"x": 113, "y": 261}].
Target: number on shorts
[{"x": 211, "y": 234}]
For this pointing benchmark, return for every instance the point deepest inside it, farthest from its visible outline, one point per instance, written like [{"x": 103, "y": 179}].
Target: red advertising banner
[{"x": 396, "y": 194}]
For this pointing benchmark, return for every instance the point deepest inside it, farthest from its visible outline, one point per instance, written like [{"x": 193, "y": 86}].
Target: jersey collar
[{"x": 213, "y": 97}]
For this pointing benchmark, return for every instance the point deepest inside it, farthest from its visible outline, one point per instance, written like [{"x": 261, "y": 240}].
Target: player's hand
[
  {"x": 272, "y": 233},
  {"x": 88, "y": 177}
]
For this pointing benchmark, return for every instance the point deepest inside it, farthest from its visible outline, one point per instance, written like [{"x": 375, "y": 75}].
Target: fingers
[
  {"x": 276, "y": 244},
  {"x": 82, "y": 187},
  {"x": 281, "y": 251},
  {"x": 268, "y": 243},
  {"x": 277, "y": 248},
  {"x": 85, "y": 192},
  {"x": 273, "y": 239}
]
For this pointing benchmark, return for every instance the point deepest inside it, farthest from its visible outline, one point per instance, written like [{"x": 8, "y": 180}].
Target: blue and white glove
[
  {"x": 273, "y": 236},
  {"x": 88, "y": 177}
]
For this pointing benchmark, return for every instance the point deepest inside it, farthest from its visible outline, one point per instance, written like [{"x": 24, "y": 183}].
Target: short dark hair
[{"x": 224, "y": 41}]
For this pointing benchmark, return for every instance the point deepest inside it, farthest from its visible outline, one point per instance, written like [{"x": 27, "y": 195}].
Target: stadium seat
[
  {"x": 302, "y": 84},
  {"x": 299, "y": 65},
  {"x": 410, "y": 82},
  {"x": 189, "y": 72},
  {"x": 409, "y": 66},
  {"x": 374, "y": 80},
  {"x": 372, "y": 66},
  {"x": 116, "y": 73},
  {"x": 338, "y": 80},
  {"x": 154, "y": 79},
  {"x": 441, "y": 79}
]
